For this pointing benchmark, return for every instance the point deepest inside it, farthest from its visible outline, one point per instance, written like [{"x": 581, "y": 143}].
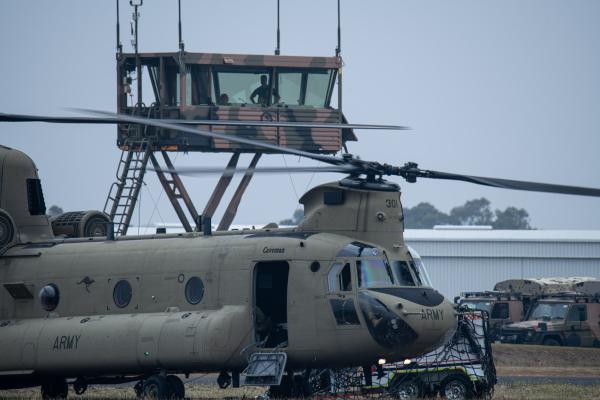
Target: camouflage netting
[{"x": 466, "y": 357}]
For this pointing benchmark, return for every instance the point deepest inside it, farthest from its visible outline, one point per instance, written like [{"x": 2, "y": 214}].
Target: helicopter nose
[{"x": 418, "y": 319}]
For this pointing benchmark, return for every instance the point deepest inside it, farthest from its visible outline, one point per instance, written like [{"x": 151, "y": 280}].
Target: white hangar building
[{"x": 460, "y": 259}]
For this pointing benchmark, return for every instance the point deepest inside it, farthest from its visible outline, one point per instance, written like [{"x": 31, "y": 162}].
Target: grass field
[
  {"x": 511, "y": 360},
  {"x": 517, "y": 391},
  {"x": 525, "y": 360}
]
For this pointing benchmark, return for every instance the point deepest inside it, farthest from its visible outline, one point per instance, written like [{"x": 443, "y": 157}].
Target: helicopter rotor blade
[
  {"x": 215, "y": 135},
  {"x": 57, "y": 120},
  {"x": 410, "y": 172},
  {"x": 276, "y": 124},
  {"x": 279, "y": 124},
  {"x": 194, "y": 171}
]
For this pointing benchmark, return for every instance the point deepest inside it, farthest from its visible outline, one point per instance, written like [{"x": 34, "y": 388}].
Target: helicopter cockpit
[
  {"x": 390, "y": 294},
  {"x": 374, "y": 269}
]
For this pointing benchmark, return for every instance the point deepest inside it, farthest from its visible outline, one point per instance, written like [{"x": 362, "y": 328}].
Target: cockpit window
[
  {"x": 373, "y": 273},
  {"x": 346, "y": 279},
  {"x": 358, "y": 249},
  {"x": 415, "y": 271},
  {"x": 402, "y": 273},
  {"x": 340, "y": 278}
]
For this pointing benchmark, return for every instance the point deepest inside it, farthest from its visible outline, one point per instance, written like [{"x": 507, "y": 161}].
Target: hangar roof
[{"x": 492, "y": 235}]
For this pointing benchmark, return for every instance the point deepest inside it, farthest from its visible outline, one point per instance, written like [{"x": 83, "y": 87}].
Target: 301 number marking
[{"x": 391, "y": 203}]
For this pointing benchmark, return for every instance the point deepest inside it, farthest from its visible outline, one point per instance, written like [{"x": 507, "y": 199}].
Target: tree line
[{"x": 474, "y": 212}]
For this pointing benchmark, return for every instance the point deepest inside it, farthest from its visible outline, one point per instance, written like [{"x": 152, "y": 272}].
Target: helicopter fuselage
[
  {"x": 96, "y": 328},
  {"x": 340, "y": 289}
]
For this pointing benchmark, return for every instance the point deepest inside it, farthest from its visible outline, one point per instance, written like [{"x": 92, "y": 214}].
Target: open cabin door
[{"x": 270, "y": 303}]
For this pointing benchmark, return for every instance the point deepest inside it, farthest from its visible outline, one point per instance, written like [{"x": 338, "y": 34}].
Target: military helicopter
[{"x": 340, "y": 289}]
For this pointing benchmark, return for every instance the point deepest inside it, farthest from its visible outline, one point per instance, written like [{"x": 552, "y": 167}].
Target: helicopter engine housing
[
  {"x": 7, "y": 230},
  {"x": 77, "y": 224}
]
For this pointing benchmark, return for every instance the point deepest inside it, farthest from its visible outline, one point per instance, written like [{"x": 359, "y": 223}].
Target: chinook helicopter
[
  {"x": 340, "y": 289},
  {"x": 83, "y": 303}
]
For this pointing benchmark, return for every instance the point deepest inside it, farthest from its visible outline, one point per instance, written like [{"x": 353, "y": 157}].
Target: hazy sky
[{"x": 494, "y": 88}]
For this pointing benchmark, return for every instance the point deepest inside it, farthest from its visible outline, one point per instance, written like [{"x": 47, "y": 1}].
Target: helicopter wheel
[
  {"x": 55, "y": 388},
  {"x": 177, "y": 388},
  {"x": 80, "y": 386},
  {"x": 156, "y": 387}
]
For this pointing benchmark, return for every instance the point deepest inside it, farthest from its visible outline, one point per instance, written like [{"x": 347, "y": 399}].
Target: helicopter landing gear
[
  {"x": 55, "y": 388},
  {"x": 160, "y": 387},
  {"x": 177, "y": 388},
  {"x": 80, "y": 386},
  {"x": 224, "y": 380}
]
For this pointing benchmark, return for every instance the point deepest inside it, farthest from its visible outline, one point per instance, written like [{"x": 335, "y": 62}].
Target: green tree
[
  {"x": 296, "y": 218},
  {"x": 473, "y": 212},
  {"x": 512, "y": 218},
  {"x": 54, "y": 211},
  {"x": 424, "y": 216}
]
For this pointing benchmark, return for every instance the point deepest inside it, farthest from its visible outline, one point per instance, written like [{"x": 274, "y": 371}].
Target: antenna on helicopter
[
  {"x": 277, "y": 49},
  {"x": 119, "y": 44},
  {"x": 181, "y": 45}
]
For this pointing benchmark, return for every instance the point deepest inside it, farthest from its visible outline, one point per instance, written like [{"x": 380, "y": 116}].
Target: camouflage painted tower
[{"x": 281, "y": 100}]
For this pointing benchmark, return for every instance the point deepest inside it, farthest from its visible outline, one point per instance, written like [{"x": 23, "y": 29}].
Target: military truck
[
  {"x": 462, "y": 368},
  {"x": 570, "y": 318},
  {"x": 511, "y": 300}
]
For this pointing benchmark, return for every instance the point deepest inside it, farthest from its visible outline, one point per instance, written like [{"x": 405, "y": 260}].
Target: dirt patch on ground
[
  {"x": 524, "y": 360},
  {"x": 511, "y": 355},
  {"x": 545, "y": 391}
]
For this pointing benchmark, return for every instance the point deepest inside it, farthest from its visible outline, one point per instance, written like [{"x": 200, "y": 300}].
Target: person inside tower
[{"x": 263, "y": 92}]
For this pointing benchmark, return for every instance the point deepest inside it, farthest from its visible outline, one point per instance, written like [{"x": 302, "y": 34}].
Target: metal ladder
[
  {"x": 124, "y": 192},
  {"x": 175, "y": 190}
]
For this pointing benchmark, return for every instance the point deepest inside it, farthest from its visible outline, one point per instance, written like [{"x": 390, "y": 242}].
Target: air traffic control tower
[
  {"x": 231, "y": 87},
  {"x": 281, "y": 100},
  {"x": 252, "y": 96}
]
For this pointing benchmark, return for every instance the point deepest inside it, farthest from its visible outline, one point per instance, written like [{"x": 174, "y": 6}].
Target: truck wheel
[
  {"x": 157, "y": 388},
  {"x": 177, "y": 388},
  {"x": 456, "y": 387},
  {"x": 551, "y": 342},
  {"x": 406, "y": 389}
]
